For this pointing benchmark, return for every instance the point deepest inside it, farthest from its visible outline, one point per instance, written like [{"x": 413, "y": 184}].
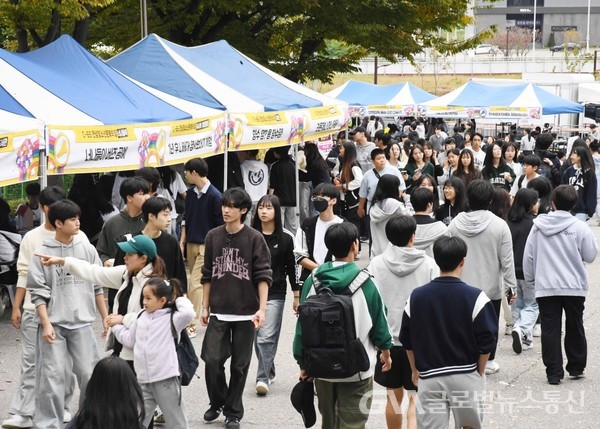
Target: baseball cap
[
  {"x": 139, "y": 244},
  {"x": 358, "y": 130},
  {"x": 303, "y": 397}
]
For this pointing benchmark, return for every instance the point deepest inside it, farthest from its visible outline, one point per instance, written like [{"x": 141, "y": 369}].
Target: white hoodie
[
  {"x": 379, "y": 214},
  {"x": 556, "y": 249},
  {"x": 427, "y": 234},
  {"x": 489, "y": 261},
  {"x": 397, "y": 271}
]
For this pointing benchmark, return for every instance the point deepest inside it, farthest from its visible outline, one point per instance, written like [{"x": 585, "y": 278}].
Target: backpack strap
[
  {"x": 140, "y": 314},
  {"x": 316, "y": 282},
  {"x": 173, "y": 330},
  {"x": 521, "y": 181},
  {"x": 361, "y": 278}
]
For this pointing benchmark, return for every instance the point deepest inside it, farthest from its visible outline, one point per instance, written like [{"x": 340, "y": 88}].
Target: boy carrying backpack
[{"x": 324, "y": 332}]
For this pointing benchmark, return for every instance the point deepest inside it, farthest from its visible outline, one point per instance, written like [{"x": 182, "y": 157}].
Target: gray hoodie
[
  {"x": 427, "y": 234},
  {"x": 556, "y": 249},
  {"x": 489, "y": 262},
  {"x": 379, "y": 214},
  {"x": 397, "y": 271},
  {"x": 70, "y": 300}
]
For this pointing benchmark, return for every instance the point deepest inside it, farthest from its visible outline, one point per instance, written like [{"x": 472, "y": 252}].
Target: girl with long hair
[
  {"x": 495, "y": 170},
  {"x": 395, "y": 156},
  {"x": 416, "y": 166},
  {"x": 466, "y": 167},
  {"x": 509, "y": 154},
  {"x": 455, "y": 200},
  {"x": 582, "y": 175},
  {"x": 151, "y": 336},
  {"x": 431, "y": 156},
  {"x": 450, "y": 165},
  {"x": 525, "y": 308},
  {"x": 386, "y": 203},
  {"x": 543, "y": 187},
  {"x": 427, "y": 181},
  {"x": 348, "y": 182},
  {"x": 281, "y": 246},
  {"x": 316, "y": 167},
  {"x": 112, "y": 378}
]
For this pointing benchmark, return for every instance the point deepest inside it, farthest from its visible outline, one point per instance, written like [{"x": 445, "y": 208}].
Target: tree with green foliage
[
  {"x": 300, "y": 39},
  {"x": 33, "y": 24}
]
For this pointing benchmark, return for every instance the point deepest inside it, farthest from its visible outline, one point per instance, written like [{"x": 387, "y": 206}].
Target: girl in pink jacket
[{"x": 154, "y": 355}]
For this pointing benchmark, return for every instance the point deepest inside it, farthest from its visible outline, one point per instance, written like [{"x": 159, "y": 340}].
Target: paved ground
[{"x": 518, "y": 396}]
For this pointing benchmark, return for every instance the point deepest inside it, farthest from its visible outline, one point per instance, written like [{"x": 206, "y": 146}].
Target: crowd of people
[{"x": 457, "y": 226}]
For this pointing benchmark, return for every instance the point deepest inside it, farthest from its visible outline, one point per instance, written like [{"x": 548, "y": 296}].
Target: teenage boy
[
  {"x": 448, "y": 353},
  {"x": 428, "y": 229},
  {"x": 134, "y": 191},
  {"x": 531, "y": 164},
  {"x": 478, "y": 152},
  {"x": 309, "y": 244},
  {"x": 156, "y": 213},
  {"x": 379, "y": 167},
  {"x": 66, "y": 308},
  {"x": 23, "y": 404},
  {"x": 236, "y": 277},
  {"x": 202, "y": 213},
  {"x": 341, "y": 401},
  {"x": 490, "y": 263},
  {"x": 397, "y": 271},
  {"x": 363, "y": 148},
  {"x": 29, "y": 215},
  {"x": 560, "y": 241}
]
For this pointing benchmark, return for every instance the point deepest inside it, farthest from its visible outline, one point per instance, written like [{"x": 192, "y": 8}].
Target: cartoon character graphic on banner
[
  {"x": 535, "y": 113},
  {"x": 408, "y": 111},
  {"x": 299, "y": 125},
  {"x": 28, "y": 159},
  {"x": 219, "y": 135},
  {"x": 151, "y": 149},
  {"x": 236, "y": 133},
  {"x": 59, "y": 149}
]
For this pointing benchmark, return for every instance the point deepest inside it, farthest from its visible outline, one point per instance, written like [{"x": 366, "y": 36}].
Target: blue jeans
[
  {"x": 525, "y": 310},
  {"x": 267, "y": 339}
]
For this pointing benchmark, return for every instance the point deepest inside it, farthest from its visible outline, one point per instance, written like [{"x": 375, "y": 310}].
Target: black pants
[
  {"x": 221, "y": 341},
  {"x": 497, "y": 303},
  {"x": 551, "y": 309}
]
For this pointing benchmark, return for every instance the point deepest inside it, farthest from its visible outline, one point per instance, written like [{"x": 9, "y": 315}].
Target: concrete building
[{"x": 553, "y": 17}]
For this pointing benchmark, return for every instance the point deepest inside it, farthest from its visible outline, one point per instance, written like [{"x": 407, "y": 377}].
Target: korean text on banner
[
  {"x": 19, "y": 157},
  {"x": 271, "y": 129},
  {"x": 127, "y": 147}
]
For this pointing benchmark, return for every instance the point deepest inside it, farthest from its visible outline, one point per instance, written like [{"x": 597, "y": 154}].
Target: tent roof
[
  {"x": 215, "y": 75},
  {"x": 364, "y": 94},
  {"x": 474, "y": 94},
  {"x": 62, "y": 83}
]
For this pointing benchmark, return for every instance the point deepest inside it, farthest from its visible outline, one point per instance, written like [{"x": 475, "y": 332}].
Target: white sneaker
[
  {"x": 16, "y": 421},
  {"x": 262, "y": 388},
  {"x": 508, "y": 329},
  {"x": 159, "y": 417},
  {"x": 67, "y": 417},
  {"x": 527, "y": 346},
  {"x": 537, "y": 330},
  {"x": 491, "y": 367}
]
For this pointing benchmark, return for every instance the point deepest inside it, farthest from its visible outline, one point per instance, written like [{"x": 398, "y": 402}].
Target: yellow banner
[
  {"x": 19, "y": 157},
  {"x": 126, "y": 147}
]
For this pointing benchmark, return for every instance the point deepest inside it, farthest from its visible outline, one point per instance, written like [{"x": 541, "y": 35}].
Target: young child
[
  {"x": 154, "y": 355},
  {"x": 29, "y": 214},
  {"x": 66, "y": 308}
]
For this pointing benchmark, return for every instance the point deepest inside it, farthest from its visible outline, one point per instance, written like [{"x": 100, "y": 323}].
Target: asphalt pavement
[{"x": 517, "y": 396}]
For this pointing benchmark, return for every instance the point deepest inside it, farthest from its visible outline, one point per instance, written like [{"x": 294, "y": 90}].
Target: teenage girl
[
  {"x": 154, "y": 354},
  {"x": 466, "y": 167},
  {"x": 582, "y": 175},
  {"x": 281, "y": 246},
  {"x": 112, "y": 378}
]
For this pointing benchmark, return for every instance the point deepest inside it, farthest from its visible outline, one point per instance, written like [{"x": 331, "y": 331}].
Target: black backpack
[
  {"x": 330, "y": 348},
  {"x": 186, "y": 354}
]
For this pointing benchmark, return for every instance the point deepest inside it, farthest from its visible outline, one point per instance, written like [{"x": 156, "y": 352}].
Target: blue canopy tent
[
  {"x": 74, "y": 94},
  {"x": 399, "y": 99},
  {"x": 498, "y": 101}
]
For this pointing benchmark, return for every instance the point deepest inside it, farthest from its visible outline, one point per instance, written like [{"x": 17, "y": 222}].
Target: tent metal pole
[
  {"x": 225, "y": 163},
  {"x": 297, "y": 174},
  {"x": 43, "y": 173}
]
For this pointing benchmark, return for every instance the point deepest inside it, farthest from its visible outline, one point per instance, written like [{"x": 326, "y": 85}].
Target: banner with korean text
[
  {"x": 104, "y": 148},
  {"x": 271, "y": 129},
  {"x": 19, "y": 157},
  {"x": 491, "y": 112}
]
